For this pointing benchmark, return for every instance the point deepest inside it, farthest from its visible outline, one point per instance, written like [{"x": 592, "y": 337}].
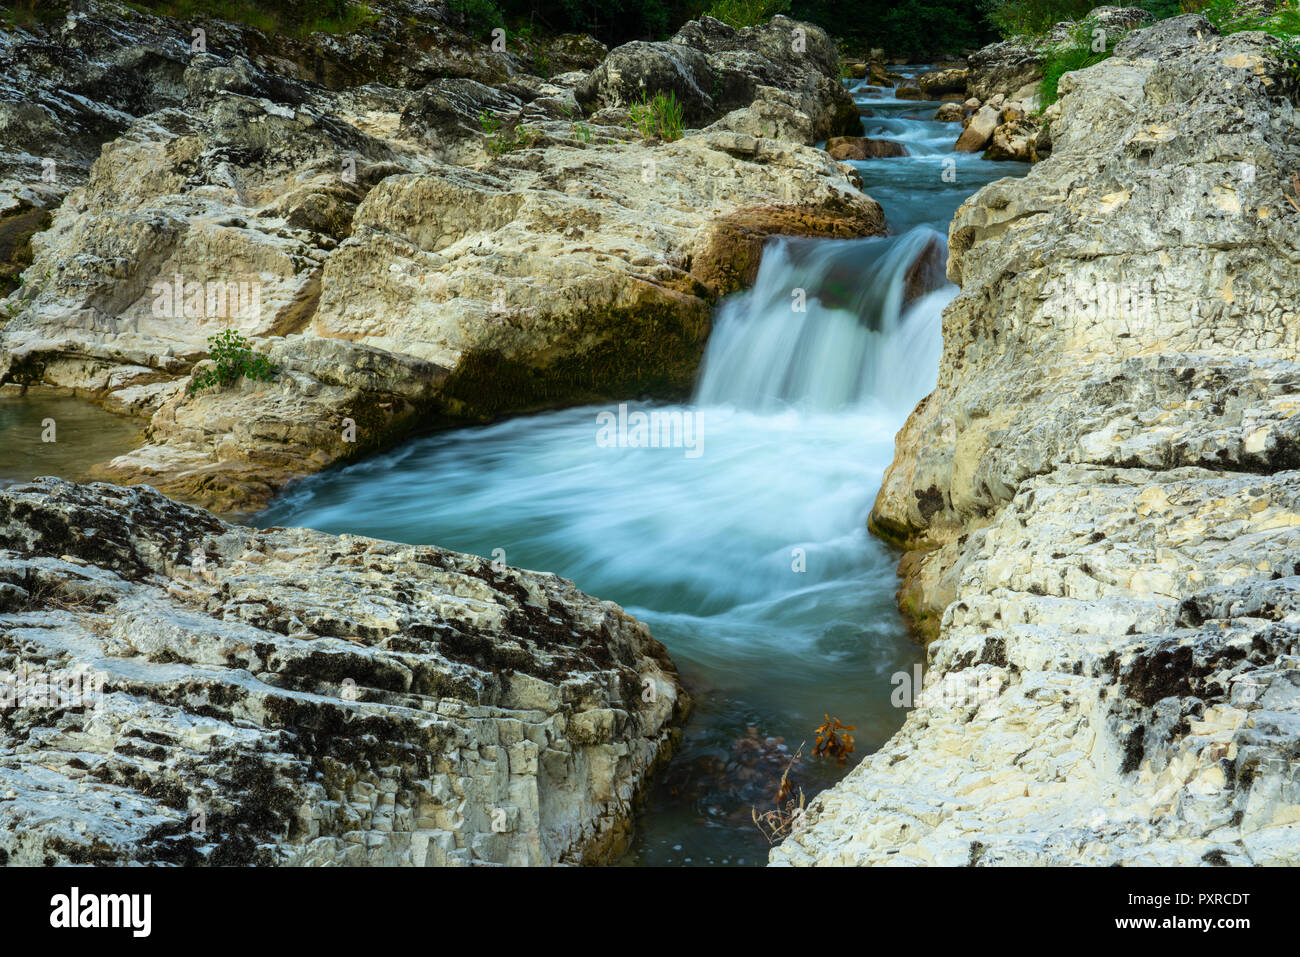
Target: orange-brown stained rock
[
  {"x": 728, "y": 254},
  {"x": 861, "y": 148}
]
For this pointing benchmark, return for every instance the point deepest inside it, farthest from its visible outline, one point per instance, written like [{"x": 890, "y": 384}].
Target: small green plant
[
  {"x": 502, "y": 138},
  {"x": 581, "y": 131},
  {"x": 746, "y": 13},
  {"x": 234, "y": 359},
  {"x": 1076, "y": 53},
  {"x": 658, "y": 116}
]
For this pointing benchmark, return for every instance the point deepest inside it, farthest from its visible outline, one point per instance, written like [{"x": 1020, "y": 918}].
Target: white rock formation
[{"x": 1103, "y": 496}]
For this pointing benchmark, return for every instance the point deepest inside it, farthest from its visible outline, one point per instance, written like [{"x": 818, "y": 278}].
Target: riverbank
[{"x": 1101, "y": 494}]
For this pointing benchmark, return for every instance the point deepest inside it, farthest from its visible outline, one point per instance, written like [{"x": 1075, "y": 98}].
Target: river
[{"x": 743, "y": 546}]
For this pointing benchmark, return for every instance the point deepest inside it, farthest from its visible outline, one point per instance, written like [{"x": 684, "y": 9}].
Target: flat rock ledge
[
  {"x": 1102, "y": 497},
  {"x": 298, "y": 698}
]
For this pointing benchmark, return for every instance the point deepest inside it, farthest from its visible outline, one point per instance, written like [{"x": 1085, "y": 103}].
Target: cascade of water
[{"x": 828, "y": 325}]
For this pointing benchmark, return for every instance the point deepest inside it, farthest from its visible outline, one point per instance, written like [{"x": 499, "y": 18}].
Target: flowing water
[{"x": 744, "y": 545}]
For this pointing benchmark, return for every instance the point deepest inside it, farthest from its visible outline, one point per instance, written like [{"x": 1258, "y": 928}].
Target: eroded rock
[
  {"x": 300, "y": 698},
  {"x": 1103, "y": 495}
]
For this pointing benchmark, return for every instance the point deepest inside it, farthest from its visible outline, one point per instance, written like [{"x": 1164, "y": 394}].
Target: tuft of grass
[
  {"x": 746, "y": 13},
  {"x": 235, "y": 360},
  {"x": 1077, "y": 53},
  {"x": 503, "y": 139},
  {"x": 658, "y": 116}
]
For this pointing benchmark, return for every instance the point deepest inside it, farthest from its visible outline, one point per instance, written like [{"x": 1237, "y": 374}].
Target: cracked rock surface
[
  {"x": 302, "y": 698},
  {"x": 1102, "y": 497}
]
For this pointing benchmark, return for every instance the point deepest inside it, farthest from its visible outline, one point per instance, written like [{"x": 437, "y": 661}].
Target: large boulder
[
  {"x": 713, "y": 69},
  {"x": 641, "y": 70},
  {"x": 1102, "y": 494},
  {"x": 291, "y": 697}
]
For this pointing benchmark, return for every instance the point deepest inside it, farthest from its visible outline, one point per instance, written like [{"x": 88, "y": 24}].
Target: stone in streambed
[
  {"x": 944, "y": 82},
  {"x": 863, "y": 148},
  {"x": 979, "y": 130}
]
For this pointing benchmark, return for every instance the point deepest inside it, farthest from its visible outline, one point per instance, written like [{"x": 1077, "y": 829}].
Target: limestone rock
[
  {"x": 1103, "y": 496},
  {"x": 300, "y": 698},
  {"x": 712, "y": 69},
  {"x": 950, "y": 113},
  {"x": 979, "y": 130},
  {"x": 934, "y": 85},
  {"x": 1014, "y": 139}
]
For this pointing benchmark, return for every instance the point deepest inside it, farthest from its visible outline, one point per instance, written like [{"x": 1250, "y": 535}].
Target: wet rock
[
  {"x": 909, "y": 93},
  {"x": 942, "y": 82},
  {"x": 299, "y": 698},
  {"x": 880, "y": 75},
  {"x": 950, "y": 113},
  {"x": 863, "y": 148},
  {"x": 728, "y": 253},
  {"x": 979, "y": 130},
  {"x": 1014, "y": 140}
]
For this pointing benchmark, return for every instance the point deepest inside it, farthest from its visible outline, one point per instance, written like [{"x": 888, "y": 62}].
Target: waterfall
[{"x": 830, "y": 325}]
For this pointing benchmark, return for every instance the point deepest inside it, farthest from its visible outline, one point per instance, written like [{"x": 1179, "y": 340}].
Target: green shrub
[
  {"x": 660, "y": 115},
  {"x": 1014, "y": 18},
  {"x": 1074, "y": 54},
  {"x": 235, "y": 359},
  {"x": 270, "y": 16},
  {"x": 479, "y": 16},
  {"x": 746, "y": 13}
]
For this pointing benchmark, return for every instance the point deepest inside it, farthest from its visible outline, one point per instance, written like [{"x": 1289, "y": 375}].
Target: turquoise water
[{"x": 743, "y": 544}]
